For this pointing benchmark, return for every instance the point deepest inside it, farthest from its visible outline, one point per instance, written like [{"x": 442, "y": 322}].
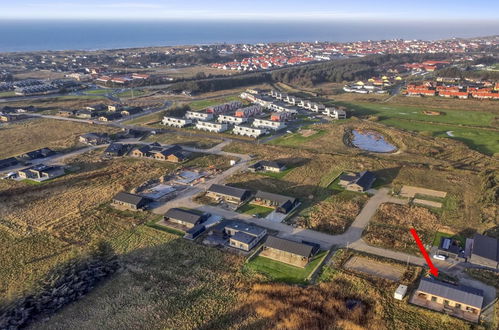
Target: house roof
[
  {"x": 128, "y": 198},
  {"x": 486, "y": 247},
  {"x": 183, "y": 215},
  {"x": 280, "y": 199},
  {"x": 460, "y": 293},
  {"x": 9, "y": 161},
  {"x": 243, "y": 237},
  {"x": 244, "y": 227},
  {"x": 365, "y": 179},
  {"x": 115, "y": 147},
  {"x": 271, "y": 163},
  {"x": 228, "y": 190},
  {"x": 300, "y": 249}
]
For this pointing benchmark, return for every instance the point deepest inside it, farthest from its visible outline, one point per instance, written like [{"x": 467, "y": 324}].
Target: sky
[{"x": 371, "y": 10}]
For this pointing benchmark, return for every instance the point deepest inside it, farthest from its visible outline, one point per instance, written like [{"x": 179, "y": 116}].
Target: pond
[{"x": 371, "y": 141}]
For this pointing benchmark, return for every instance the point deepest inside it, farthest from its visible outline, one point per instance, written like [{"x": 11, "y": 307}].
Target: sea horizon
[{"x": 91, "y": 35}]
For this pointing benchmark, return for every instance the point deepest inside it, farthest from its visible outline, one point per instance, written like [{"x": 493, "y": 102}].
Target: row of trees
[
  {"x": 340, "y": 70},
  {"x": 215, "y": 84}
]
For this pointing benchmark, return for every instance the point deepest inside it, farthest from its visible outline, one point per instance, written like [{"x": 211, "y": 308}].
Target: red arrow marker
[{"x": 433, "y": 269}]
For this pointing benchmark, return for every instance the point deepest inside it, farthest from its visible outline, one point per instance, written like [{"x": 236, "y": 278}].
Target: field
[
  {"x": 60, "y": 218},
  {"x": 38, "y": 133},
  {"x": 375, "y": 268},
  {"x": 281, "y": 272},
  {"x": 297, "y": 139},
  {"x": 471, "y": 122},
  {"x": 390, "y": 227},
  {"x": 129, "y": 93},
  {"x": 201, "y": 104}
]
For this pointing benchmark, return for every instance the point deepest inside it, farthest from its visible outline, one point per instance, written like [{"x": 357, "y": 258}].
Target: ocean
[{"x": 32, "y": 35}]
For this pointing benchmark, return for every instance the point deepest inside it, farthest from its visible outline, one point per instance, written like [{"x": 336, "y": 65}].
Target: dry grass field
[
  {"x": 171, "y": 283},
  {"x": 29, "y": 135},
  {"x": 389, "y": 228},
  {"x": 191, "y": 141},
  {"x": 44, "y": 224}
]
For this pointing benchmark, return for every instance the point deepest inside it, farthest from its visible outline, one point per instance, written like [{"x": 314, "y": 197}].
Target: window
[
  {"x": 458, "y": 305},
  {"x": 446, "y": 302},
  {"x": 433, "y": 298}
]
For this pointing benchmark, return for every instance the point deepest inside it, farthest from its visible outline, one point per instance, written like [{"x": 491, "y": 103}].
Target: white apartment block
[
  {"x": 249, "y": 131},
  {"x": 282, "y": 108},
  {"x": 231, "y": 119},
  {"x": 335, "y": 113},
  {"x": 199, "y": 115},
  {"x": 211, "y": 126},
  {"x": 267, "y": 123},
  {"x": 175, "y": 122}
]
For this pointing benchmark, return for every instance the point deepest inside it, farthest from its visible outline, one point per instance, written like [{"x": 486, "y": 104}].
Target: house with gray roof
[
  {"x": 287, "y": 251},
  {"x": 457, "y": 300},
  {"x": 8, "y": 162},
  {"x": 484, "y": 251},
  {"x": 228, "y": 193},
  {"x": 282, "y": 204},
  {"x": 130, "y": 201},
  {"x": 186, "y": 218},
  {"x": 360, "y": 182},
  {"x": 244, "y": 235}
]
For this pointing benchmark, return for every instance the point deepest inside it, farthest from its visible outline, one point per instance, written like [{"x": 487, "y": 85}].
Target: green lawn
[
  {"x": 98, "y": 91},
  {"x": 481, "y": 137},
  {"x": 280, "y": 272},
  {"x": 260, "y": 211},
  {"x": 277, "y": 175},
  {"x": 7, "y": 94},
  {"x": 471, "y": 117},
  {"x": 483, "y": 140},
  {"x": 295, "y": 139},
  {"x": 136, "y": 93}
]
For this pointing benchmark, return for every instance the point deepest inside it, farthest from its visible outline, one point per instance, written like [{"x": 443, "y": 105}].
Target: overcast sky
[{"x": 392, "y": 10}]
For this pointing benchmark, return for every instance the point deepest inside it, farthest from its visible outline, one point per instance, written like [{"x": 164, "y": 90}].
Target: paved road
[{"x": 352, "y": 238}]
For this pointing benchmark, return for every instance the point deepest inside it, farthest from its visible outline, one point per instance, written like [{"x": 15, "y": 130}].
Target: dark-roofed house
[
  {"x": 286, "y": 251},
  {"x": 40, "y": 153},
  {"x": 450, "y": 248},
  {"x": 243, "y": 235},
  {"x": 228, "y": 193},
  {"x": 485, "y": 251},
  {"x": 130, "y": 201},
  {"x": 273, "y": 166},
  {"x": 116, "y": 149},
  {"x": 457, "y": 300},
  {"x": 185, "y": 218},
  {"x": 282, "y": 204},
  {"x": 8, "y": 162},
  {"x": 357, "y": 182},
  {"x": 268, "y": 166}
]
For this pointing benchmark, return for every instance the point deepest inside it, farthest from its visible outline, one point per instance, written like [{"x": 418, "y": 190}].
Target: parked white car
[{"x": 439, "y": 257}]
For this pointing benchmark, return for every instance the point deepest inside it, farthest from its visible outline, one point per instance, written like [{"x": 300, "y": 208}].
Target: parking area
[{"x": 372, "y": 267}]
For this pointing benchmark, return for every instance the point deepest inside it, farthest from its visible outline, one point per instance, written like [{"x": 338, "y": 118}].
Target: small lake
[{"x": 371, "y": 141}]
